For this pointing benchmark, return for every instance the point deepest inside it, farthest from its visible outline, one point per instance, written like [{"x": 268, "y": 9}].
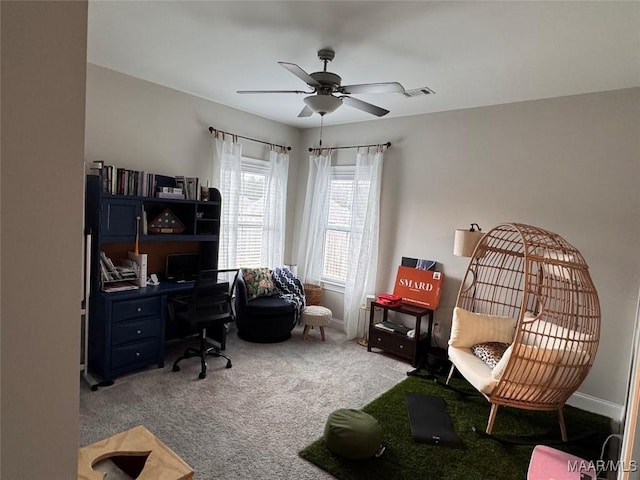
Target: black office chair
[{"x": 208, "y": 306}]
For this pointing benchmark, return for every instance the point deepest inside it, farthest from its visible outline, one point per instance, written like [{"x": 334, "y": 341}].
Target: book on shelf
[
  {"x": 123, "y": 181},
  {"x": 128, "y": 182},
  {"x": 192, "y": 188},
  {"x": 393, "y": 327},
  {"x": 174, "y": 195},
  {"x": 181, "y": 182}
]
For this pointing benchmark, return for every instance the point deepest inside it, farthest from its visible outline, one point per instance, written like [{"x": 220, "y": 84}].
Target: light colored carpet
[{"x": 251, "y": 420}]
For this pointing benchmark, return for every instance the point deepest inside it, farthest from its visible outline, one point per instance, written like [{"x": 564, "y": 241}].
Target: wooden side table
[
  {"x": 398, "y": 344},
  {"x": 161, "y": 463}
]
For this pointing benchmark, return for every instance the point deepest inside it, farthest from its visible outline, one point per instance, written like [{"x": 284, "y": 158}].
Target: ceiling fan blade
[
  {"x": 305, "y": 112},
  {"x": 364, "y": 106},
  {"x": 387, "y": 87},
  {"x": 300, "y": 73},
  {"x": 273, "y": 91}
]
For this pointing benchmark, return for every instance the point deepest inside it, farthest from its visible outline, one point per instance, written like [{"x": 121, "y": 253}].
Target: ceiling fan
[{"x": 327, "y": 94}]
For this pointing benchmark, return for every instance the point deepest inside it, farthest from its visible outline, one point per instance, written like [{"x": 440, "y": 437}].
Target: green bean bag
[{"x": 353, "y": 434}]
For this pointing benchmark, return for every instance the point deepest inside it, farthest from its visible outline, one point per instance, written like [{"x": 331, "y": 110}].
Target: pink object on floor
[{"x": 550, "y": 464}]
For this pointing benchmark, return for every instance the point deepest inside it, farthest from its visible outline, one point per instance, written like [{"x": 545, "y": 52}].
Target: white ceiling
[{"x": 470, "y": 53}]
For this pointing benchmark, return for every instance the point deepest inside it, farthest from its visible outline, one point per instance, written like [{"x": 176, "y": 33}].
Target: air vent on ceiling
[{"x": 416, "y": 92}]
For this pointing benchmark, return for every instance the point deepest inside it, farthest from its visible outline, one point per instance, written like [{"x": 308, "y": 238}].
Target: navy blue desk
[{"x": 127, "y": 329}]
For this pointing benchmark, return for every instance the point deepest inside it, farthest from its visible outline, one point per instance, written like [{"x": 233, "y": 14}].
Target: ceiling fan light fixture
[{"x": 322, "y": 104}]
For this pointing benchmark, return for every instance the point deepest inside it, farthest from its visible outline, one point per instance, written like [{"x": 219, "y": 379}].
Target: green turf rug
[{"x": 479, "y": 457}]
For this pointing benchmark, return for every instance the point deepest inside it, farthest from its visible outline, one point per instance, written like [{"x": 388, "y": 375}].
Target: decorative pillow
[
  {"x": 490, "y": 352},
  {"x": 470, "y": 328},
  {"x": 535, "y": 365},
  {"x": 258, "y": 282}
]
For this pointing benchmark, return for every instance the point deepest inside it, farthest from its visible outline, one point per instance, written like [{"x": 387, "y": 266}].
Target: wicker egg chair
[{"x": 541, "y": 282}]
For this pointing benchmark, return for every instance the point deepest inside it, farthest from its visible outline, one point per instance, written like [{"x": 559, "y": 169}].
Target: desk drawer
[
  {"x": 135, "y": 353},
  {"x": 133, "y": 331},
  {"x": 136, "y": 308},
  {"x": 393, "y": 343}
]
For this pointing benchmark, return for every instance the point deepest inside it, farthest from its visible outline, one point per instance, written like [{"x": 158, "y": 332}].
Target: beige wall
[
  {"x": 568, "y": 164},
  {"x": 43, "y": 92},
  {"x": 141, "y": 125}
]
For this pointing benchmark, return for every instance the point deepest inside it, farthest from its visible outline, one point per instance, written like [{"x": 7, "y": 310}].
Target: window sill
[{"x": 332, "y": 287}]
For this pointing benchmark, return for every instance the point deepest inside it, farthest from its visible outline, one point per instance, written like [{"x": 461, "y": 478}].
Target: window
[
  {"x": 253, "y": 186},
  {"x": 337, "y": 231}
]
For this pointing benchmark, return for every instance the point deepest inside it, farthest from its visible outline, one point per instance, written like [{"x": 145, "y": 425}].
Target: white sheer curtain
[
  {"x": 312, "y": 228},
  {"x": 273, "y": 232},
  {"x": 226, "y": 177},
  {"x": 363, "y": 247}
]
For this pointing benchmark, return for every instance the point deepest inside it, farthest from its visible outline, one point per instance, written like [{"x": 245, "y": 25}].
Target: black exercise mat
[{"x": 429, "y": 420}]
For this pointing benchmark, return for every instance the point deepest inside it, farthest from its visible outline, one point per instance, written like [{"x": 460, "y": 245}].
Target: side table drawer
[
  {"x": 393, "y": 343},
  {"x": 135, "y": 353},
  {"x": 133, "y": 331},
  {"x": 142, "y": 307}
]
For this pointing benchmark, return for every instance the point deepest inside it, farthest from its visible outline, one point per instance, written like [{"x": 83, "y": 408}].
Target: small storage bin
[{"x": 312, "y": 293}]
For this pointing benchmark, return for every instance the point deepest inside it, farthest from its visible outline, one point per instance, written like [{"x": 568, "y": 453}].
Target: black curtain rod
[
  {"x": 388, "y": 144},
  {"x": 211, "y": 129}
]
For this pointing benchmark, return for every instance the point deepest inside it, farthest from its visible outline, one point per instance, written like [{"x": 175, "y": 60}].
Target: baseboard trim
[{"x": 596, "y": 405}]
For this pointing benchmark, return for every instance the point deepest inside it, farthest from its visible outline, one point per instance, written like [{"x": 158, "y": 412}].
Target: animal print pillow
[{"x": 490, "y": 352}]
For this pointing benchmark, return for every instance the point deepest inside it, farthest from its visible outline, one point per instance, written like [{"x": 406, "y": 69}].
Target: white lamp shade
[
  {"x": 465, "y": 242},
  {"x": 323, "y": 103}
]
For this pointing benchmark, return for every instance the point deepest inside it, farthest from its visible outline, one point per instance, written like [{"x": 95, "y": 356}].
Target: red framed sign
[{"x": 419, "y": 287}]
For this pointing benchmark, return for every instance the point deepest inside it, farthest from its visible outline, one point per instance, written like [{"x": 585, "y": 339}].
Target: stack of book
[
  {"x": 393, "y": 327},
  {"x": 170, "y": 192}
]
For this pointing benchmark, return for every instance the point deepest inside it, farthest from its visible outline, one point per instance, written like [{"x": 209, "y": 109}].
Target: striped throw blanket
[{"x": 290, "y": 289}]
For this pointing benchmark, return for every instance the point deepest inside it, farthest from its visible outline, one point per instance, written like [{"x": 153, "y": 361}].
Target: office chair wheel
[
  {"x": 228, "y": 363},
  {"x": 202, "y": 375}
]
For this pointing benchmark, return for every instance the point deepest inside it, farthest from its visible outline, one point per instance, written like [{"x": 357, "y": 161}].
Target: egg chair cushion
[{"x": 470, "y": 328}]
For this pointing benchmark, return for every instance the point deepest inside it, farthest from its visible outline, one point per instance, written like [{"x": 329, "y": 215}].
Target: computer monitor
[{"x": 182, "y": 267}]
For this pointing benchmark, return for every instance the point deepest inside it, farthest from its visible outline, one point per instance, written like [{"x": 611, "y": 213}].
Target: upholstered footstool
[
  {"x": 315, "y": 316},
  {"x": 353, "y": 434}
]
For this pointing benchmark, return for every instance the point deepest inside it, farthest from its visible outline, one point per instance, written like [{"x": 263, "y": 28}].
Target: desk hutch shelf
[{"x": 127, "y": 329}]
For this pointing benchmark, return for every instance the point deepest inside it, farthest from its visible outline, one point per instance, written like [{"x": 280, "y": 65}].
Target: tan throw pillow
[
  {"x": 490, "y": 352},
  {"x": 535, "y": 364},
  {"x": 470, "y": 328}
]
